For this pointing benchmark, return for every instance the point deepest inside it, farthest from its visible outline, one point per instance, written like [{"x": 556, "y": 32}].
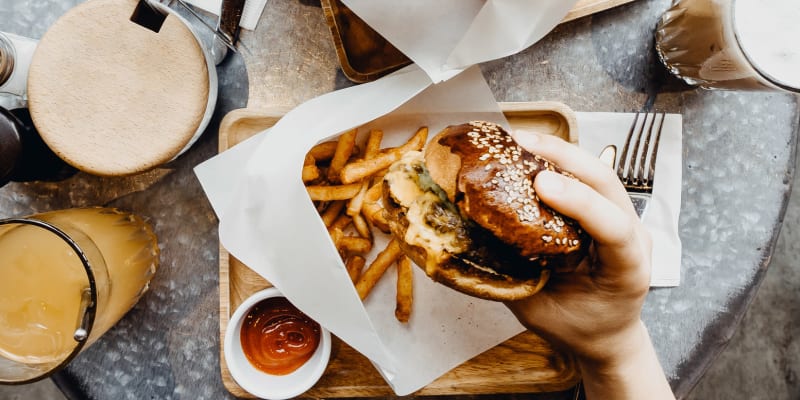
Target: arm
[{"x": 595, "y": 311}]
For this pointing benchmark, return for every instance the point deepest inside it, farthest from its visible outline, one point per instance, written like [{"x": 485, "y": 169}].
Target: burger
[{"x": 465, "y": 210}]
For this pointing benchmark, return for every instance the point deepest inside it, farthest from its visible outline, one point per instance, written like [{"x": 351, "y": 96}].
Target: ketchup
[{"x": 277, "y": 338}]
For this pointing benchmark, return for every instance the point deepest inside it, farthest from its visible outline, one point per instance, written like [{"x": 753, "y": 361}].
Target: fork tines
[{"x": 637, "y": 169}]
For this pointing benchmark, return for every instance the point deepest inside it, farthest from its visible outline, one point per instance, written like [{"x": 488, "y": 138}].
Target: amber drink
[
  {"x": 66, "y": 277},
  {"x": 732, "y": 44}
]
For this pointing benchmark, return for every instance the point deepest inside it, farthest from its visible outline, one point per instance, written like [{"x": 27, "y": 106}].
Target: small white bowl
[{"x": 262, "y": 384}]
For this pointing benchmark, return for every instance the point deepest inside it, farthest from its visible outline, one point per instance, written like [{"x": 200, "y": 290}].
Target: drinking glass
[
  {"x": 66, "y": 277},
  {"x": 732, "y": 44}
]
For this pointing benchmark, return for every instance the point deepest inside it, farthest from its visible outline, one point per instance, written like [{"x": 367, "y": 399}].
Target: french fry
[
  {"x": 310, "y": 172},
  {"x": 374, "y": 193},
  {"x": 361, "y": 169},
  {"x": 344, "y": 149},
  {"x": 354, "y": 245},
  {"x": 417, "y": 141},
  {"x": 337, "y": 192},
  {"x": 373, "y": 146},
  {"x": 355, "y": 204},
  {"x": 336, "y": 236},
  {"x": 354, "y": 266},
  {"x": 372, "y": 208},
  {"x": 341, "y": 222},
  {"x": 347, "y": 188},
  {"x": 378, "y": 267},
  {"x": 323, "y": 151},
  {"x": 332, "y": 212},
  {"x": 374, "y": 214},
  {"x": 405, "y": 277},
  {"x": 323, "y": 175},
  {"x": 361, "y": 226},
  {"x": 378, "y": 177}
]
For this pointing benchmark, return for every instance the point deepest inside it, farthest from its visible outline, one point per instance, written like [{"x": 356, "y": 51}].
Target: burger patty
[{"x": 492, "y": 255}]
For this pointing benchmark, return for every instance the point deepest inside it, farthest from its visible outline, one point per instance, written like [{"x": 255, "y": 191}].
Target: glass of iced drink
[
  {"x": 66, "y": 277},
  {"x": 732, "y": 44}
]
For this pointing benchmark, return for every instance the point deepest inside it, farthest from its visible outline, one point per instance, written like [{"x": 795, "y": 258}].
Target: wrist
[
  {"x": 633, "y": 373},
  {"x": 616, "y": 354}
]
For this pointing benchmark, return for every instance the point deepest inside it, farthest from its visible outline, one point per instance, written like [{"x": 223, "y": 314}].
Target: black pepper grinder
[
  {"x": 24, "y": 156},
  {"x": 10, "y": 147}
]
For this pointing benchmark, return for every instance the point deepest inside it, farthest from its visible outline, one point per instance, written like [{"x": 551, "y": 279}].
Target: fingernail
[
  {"x": 550, "y": 183},
  {"x": 526, "y": 139}
]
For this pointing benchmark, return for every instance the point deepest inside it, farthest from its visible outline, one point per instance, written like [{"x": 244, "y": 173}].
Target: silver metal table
[{"x": 739, "y": 151}]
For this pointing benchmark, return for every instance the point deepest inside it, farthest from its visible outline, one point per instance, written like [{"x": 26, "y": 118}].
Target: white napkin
[
  {"x": 250, "y": 15},
  {"x": 445, "y": 36},
  {"x": 268, "y": 222}
]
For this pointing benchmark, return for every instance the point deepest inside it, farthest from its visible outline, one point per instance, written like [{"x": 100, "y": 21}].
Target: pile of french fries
[{"x": 345, "y": 184}]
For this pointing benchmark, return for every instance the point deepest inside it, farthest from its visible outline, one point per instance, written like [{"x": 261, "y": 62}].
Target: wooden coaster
[{"x": 111, "y": 97}]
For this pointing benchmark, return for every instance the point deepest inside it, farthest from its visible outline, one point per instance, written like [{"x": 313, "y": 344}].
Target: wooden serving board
[
  {"x": 588, "y": 7},
  {"x": 523, "y": 364}
]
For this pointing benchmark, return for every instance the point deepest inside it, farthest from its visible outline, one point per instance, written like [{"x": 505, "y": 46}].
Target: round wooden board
[{"x": 111, "y": 97}]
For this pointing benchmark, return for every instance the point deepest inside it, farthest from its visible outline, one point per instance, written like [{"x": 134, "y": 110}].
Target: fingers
[
  {"x": 615, "y": 231},
  {"x": 586, "y": 167}
]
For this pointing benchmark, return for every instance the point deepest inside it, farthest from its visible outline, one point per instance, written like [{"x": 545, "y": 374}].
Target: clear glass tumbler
[
  {"x": 66, "y": 277},
  {"x": 732, "y": 44}
]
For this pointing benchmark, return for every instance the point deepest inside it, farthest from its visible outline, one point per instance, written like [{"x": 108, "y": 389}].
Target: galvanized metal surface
[{"x": 732, "y": 209}]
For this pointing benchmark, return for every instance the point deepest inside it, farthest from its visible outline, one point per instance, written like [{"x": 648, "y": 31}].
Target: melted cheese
[
  {"x": 401, "y": 177},
  {"x": 404, "y": 179},
  {"x": 421, "y": 234}
]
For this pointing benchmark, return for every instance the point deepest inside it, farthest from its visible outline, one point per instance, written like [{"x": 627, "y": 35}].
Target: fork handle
[{"x": 640, "y": 202}]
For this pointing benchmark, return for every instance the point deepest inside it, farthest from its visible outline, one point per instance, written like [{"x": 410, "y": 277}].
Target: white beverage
[
  {"x": 769, "y": 35},
  {"x": 732, "y": 44},
  {"x": 42, "y": 279}
]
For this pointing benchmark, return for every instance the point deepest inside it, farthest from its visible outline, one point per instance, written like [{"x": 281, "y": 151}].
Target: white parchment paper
[
  {"x": 268, "y": 222},
  {"x": 271, "y": 225},
  {"x": 445, "y": 36}
]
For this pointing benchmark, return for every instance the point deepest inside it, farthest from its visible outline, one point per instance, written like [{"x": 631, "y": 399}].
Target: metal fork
[{"x": 636, "y": 167}]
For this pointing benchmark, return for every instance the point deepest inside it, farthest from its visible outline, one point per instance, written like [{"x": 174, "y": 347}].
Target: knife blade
[
  {"x": 217, "y": 35},
  {"x": 229, "y": 18}
]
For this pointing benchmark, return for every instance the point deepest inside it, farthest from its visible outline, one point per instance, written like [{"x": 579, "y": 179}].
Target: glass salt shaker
[
  {"x": 6, "y": 59},
  {"x": 16, "y": 53}
]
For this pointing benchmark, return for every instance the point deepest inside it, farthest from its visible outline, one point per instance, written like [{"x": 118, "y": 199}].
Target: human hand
[{"x": 595, "y": 311}]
